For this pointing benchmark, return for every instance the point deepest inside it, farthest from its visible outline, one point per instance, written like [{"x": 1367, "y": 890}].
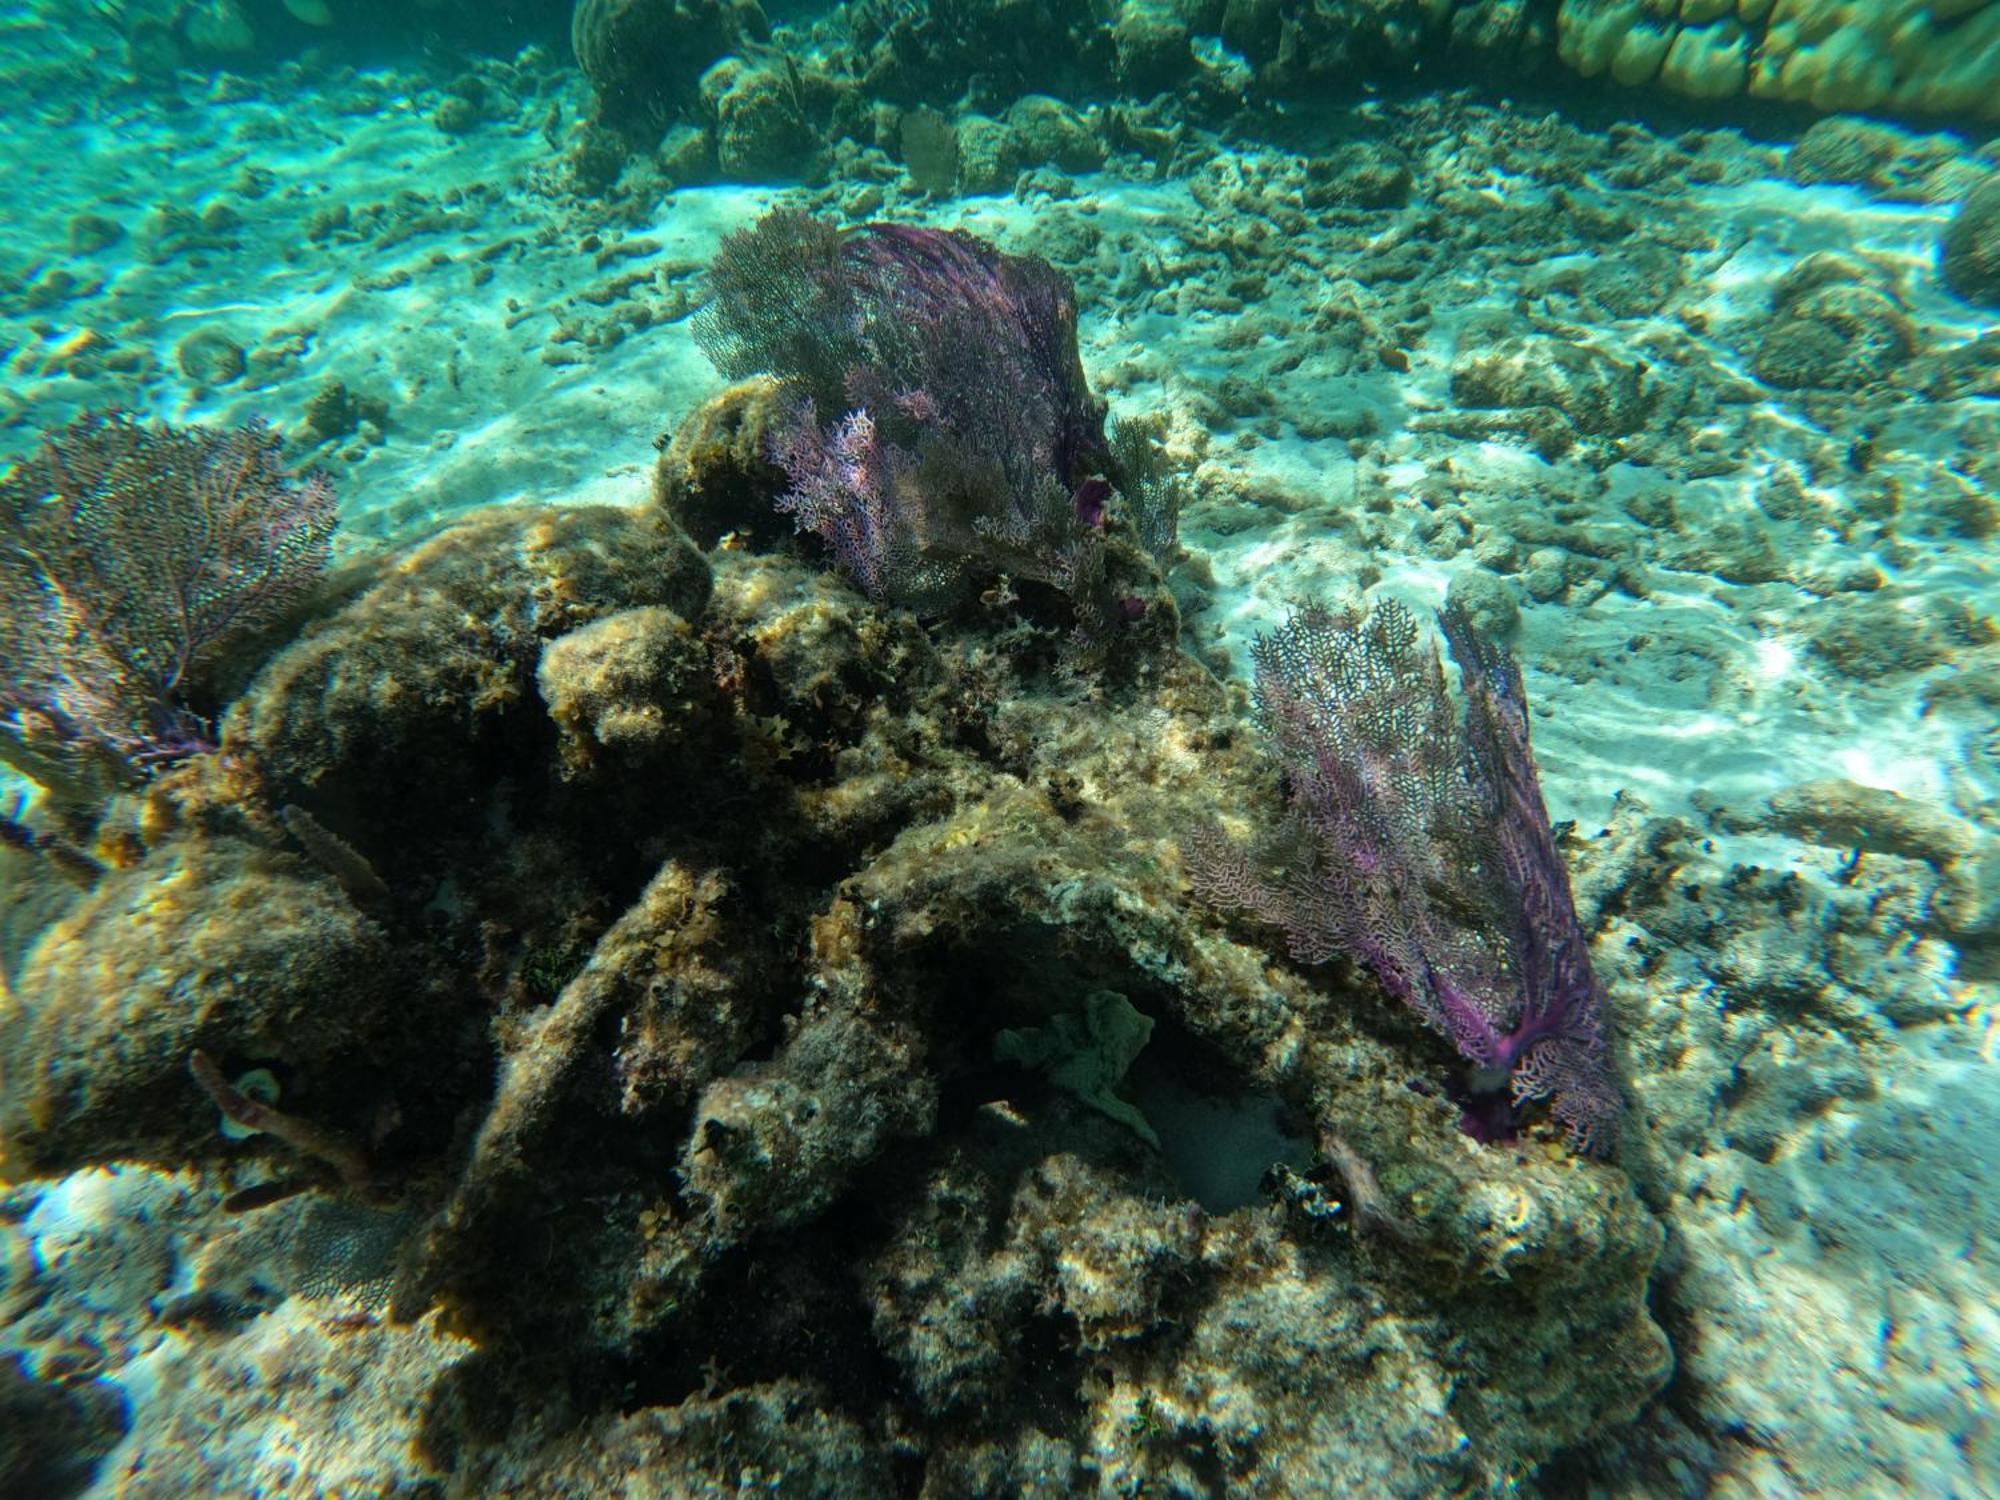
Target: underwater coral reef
[{"x": 858, "y": 869}]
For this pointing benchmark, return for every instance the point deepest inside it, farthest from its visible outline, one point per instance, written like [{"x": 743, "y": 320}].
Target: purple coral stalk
[
  {"x": 1557, "y": 1047},
  {"x": 129, "y": 555},
  {"x": 1421, "y": 847}
]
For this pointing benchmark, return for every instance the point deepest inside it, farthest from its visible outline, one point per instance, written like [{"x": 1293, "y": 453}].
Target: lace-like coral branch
[
  {"x": 1419, "y": 845},
  {"x": 857, "y": 495},
  {"x": 129, "y": 554}
]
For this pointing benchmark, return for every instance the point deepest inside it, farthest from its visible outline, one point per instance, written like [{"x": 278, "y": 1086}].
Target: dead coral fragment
[
  {"x": 266, "y": 1119},
  {"x": 336, "y": 856}
]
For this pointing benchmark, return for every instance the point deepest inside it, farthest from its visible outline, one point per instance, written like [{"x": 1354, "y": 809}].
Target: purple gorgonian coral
[
  {"x": 1417, "y": 843},
  {"x": 131, "y": 554},
  {"x": 938, "y": 424}
]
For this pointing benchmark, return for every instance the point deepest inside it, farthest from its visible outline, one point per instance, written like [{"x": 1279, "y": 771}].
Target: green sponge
[{"x": 1086, "y": 1055}]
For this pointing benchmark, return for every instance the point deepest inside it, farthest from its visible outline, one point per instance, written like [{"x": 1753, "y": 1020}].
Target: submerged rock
[
  {"x": 1885, "y": 159},
  {"x": 716, "y": 476},
  {"x": 1053, "y": 134},
  {"x": 983, "y": 856},
  {"x": 761, "y": 134},
  {"x": 209, "y": 356},
  {"x": 58, "y": 1431},
  {"x": 1832, "y": 329},
  {"x": 442, "y": 645},
  {"x": 631, "y": 687},
  {"x": 1846, "y": 815},
  {"x": 206, "y": 943},
  {"x": 990, "y": 155},
  {"x": 1594, "y": 393},
  {"x": 700, "y": 895},
  {"x": 645, "y": 58},
  {"x": 1969, "y": 254}
]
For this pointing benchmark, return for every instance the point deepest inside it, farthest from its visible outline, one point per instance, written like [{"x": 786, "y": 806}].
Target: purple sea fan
[
  {"x": 1419, "y": 845},
  {"x": 130, "y": 555},
  {"x": 990, "y": 340},
  {"x": 855, "y": 494},
  {"x": 932, "y": 331},
  {"x": 985, "y": 447}
]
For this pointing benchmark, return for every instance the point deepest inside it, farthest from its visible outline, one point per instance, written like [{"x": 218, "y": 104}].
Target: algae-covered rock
[
  {"x": 1362, "y": 176},
  {"x": 1835, "y": 338},
  {"x": 629, "y": 688},
  {"x": 774, "y": 1144},
  {"x": 1052, "y": 134},
  {"x": 254, "y": 957},
  {"x": 335, "y": 411},
  {"x": 1969, "y": 253},
  {"x": 1886, "y": 159},
  {"x": 989, "y": 51},
  {"x": 1846, "y": 815},
  {"x": 1154, "y": 46},
  {"x": 438, "y": 645},
  {"x": 645, "y": 58},
  {"x": 1594, "y": 392},
  {"x": 945, "y": 860},
  {"x": 1293, "y": 1350},
  {"x": 784, "y": 1438},
  {"x": 700, "y": 896},
  {"x": 990, "y": 155},
  {"x": 760, "y": 132},
  {"x": 456, "y": 115},
  {"x": 716, "y": 475},
  {"x": 1293, "y": 49},
  {"x": 92, "y": 232},
  {"x": 1831, "y": 329}
]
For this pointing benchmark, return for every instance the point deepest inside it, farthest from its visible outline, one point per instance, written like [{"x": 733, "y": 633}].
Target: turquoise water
[{"x": 704, "y": 940}]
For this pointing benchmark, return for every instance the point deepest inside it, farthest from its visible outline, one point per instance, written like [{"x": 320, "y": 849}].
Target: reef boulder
[
  {"x": 1969, "y": 254},
  {"x": 437, "y": 648},
  {"x": 645, "y": 58},
  {"x": 252, "y": 955}
]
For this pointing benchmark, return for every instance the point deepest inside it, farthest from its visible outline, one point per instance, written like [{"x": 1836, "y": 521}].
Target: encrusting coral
[{"x": 1917, "y": 57}]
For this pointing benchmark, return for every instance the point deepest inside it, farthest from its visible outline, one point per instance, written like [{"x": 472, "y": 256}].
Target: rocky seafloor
[{"x": 661, "y": 900}]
